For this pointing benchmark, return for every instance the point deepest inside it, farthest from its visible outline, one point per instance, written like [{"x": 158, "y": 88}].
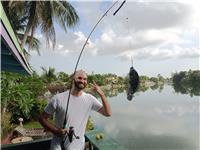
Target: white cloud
[
  {"x": 154, "y": 30},
  {"x": 80, "y": 37},
  {"x": 106, "y": 38},
  {"x": 60, "y": 46},
  {"x": 160, "y": 30},
  {"x": 161, "y": 54},
  {"x": 176, "y": 110},
  {"x": 62, "y": 52}
]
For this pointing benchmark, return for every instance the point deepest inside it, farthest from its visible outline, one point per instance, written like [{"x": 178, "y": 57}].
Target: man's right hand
[
  {"x": 61, "y": 132},
  {"x": 43, "y": 119}
]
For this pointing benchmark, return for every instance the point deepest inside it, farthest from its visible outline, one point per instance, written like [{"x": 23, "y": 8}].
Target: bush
[
  {"x": 39, "y": 107},
  {"x": 6, "y": 125}
]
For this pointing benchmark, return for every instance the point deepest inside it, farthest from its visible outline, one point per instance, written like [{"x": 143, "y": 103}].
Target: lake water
[{"x": 153, "y": 120}]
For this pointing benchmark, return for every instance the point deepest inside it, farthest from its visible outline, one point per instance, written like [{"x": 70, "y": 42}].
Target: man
[{"x": 80, "y": 106}]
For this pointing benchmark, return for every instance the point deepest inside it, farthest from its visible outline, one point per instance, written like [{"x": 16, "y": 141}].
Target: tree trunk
[
  {"x": 30, "y": 24},
  {"x": 25, "y": 37}
]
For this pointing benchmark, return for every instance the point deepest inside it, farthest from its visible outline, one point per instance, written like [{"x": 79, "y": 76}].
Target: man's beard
[{"x": 79, "y": 86}]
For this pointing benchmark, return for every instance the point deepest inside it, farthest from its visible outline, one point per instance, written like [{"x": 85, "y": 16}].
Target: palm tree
[
  {"x": 18, "y": 23},
  {"x": 43, "y": 14},
  {"x": 49, "y": 75}
]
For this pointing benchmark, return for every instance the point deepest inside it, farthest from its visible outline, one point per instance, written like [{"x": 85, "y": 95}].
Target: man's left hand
[{"x": 97, "y": 89}]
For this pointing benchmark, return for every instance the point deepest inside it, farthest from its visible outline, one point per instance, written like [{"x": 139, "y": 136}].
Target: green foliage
[
  {"x": 62, "y": 76},
  {"x": 32, "y": 15},
  {"x": 21, "y": 103},
  {"x": 49, "y": 75},
  {"x": 99, "y": 79},
  {"x": 32, "y": 124},
  {"x": 6, "y": 125},
  {"x": 106, "y": 79},
  {"x": 121, "y": 80},
  {"x": 154, "y": 87},
  {"x": 38, "y": 108},
  {"x": 90, "y": 124},
  {"x": 41, "y": 105},
  {"x": 154, "y": 79},
  {"x": 144, "y": 78},
  {"x": 143, "y": 88},
  {"x": 35, "y": 85},
  {"x": 160, "y": 78},
  {"x": 19, "y": 94},
  {"x": 187, "y": 82}
]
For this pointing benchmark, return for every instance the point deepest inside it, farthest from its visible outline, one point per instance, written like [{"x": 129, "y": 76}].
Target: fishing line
[
  {"x": 64, "y": 123},
  {"x": 132, "y": 61},
  {"x": 130, "y": 44},
  {"x": 133, "y": 76}
]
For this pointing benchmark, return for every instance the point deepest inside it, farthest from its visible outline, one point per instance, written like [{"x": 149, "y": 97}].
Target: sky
[{"x": 161, "y": 37}]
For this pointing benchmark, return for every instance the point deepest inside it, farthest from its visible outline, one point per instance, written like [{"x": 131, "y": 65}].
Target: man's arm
[
  {"x": 105, "y": 110},
  {"x": 44, "y": 120}
]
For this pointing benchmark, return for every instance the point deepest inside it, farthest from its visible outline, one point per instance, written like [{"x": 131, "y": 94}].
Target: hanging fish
[{"x": 133, "y": 83}]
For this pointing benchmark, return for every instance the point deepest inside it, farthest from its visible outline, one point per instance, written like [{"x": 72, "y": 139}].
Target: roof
[{"x": 12, "y": 56}]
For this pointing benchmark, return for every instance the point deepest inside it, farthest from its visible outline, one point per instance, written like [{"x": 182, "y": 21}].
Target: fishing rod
[
  {"x": 71, "y": 131},
  {"x": 119, "y": 8}
]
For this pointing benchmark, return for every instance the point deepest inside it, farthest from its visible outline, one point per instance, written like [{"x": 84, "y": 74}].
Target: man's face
[{"x": 80, "y": 81}]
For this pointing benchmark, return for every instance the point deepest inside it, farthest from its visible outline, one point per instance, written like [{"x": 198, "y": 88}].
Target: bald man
[{"x": 80, "y": 106}]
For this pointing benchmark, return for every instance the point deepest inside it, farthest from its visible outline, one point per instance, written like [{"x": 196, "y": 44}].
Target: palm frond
[
  {"x": 72, "y": 18},
  {"x": 29, "y": 15},
  {"x": 65, "y": 14},
  {"x": 26, "y": 54},
  {"x": 47, "y": 26},
  {"x": 35, "y": 42},
  {"x": 17, "y": 20}
]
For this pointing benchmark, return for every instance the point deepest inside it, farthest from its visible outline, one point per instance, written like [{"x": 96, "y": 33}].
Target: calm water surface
[{"x": 153, "y": 120}]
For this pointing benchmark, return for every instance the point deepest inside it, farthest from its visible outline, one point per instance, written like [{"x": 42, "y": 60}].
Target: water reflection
[
  {"x": 113, "y": 91},
  {"x": 154, "y": 120},
  {"x": 143, "y": 88},
  {"x": 184, "y": 89}
]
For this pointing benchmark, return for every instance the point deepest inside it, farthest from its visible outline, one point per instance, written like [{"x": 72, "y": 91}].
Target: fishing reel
[{"x": 72, "y": 134}]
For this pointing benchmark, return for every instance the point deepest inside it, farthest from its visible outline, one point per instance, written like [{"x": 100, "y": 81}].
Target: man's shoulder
[
  {"x": 62, "y": 94},
  {"x": 89, "y": 95},
  {"x": 86, "y": 94}
]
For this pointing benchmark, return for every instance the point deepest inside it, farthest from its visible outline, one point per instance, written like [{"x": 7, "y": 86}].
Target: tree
[
  {"x": 62, "y": 76},
  {"x": 187, "y": 82},
  {"x": 154, "y": 79},
  {"x": 20, "y": 94},
  {"x": 43, "y": 14},
  {"x": 160, "y": 78},
  {"x": 18, "y": 23},
  {"x": 48, "y": 75}
]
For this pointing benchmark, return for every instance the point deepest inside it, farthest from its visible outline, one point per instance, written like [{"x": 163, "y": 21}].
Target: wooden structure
[{"x": 32, "y": 132}]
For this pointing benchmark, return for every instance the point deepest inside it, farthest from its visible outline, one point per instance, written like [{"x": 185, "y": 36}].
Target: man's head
[{"x": 80, "y": 79}]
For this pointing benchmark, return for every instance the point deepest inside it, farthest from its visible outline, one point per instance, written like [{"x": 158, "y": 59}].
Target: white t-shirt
[{"x": 78, "y": 113}]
